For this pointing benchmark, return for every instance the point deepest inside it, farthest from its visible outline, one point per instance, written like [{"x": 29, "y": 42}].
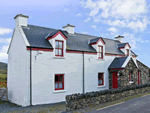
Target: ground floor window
[
  {"x": 100, "y": 79},
  {"x": 59, "y": 81}
]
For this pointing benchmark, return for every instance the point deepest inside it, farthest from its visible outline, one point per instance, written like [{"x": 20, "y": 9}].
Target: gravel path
[{"x": 48, "y": 108}]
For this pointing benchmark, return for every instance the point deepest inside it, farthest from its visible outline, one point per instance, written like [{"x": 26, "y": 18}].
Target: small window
[
  {"x": 100, "y": 79},
  {"x": 59, "y": 48},
  {"x": 59, "y": 82},
  {"x": 100, "y": 52},
  {"x": 127, "y": 52}
]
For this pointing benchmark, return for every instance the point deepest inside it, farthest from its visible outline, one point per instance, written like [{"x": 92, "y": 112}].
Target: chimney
[
  {"x": 69, "y": 28},
  {"x": 21, "y": 20},
  {"x": 119, "y": 38}
]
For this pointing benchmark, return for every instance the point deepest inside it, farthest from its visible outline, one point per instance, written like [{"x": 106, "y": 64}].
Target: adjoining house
[{"x": 45, "y": 64}]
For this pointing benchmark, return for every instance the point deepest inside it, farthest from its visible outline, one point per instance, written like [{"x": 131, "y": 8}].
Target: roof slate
[
  {"x": 79, "y": 42},
  {"x": 121, "y": 45},
  {"x": 117, "y": 62}
]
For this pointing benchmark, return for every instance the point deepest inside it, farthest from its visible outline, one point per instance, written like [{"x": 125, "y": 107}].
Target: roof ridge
[{"x": 43, "y": 27}]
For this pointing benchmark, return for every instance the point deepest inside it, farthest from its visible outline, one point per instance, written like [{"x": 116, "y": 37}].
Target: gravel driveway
[{"x": 48, "y": 108}]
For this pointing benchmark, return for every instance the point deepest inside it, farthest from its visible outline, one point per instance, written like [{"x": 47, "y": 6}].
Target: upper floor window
[
  {"x": 127, "y": 52},
  {"x": 100, "y": 79},
  {"x": 59, "y": 48},
  {"x": 100, "y": 52},
  {"x": 59, "y": 81}
]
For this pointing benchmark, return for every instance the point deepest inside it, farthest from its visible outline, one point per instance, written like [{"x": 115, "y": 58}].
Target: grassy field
[{"x": 3, "y": 80}]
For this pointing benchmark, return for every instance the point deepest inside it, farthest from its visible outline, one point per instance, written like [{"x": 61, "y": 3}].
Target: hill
[{"x": 3, "y": 68}]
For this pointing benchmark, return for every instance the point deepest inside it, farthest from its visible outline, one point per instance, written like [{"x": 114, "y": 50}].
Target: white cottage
[{"x": 45, "y": 64}]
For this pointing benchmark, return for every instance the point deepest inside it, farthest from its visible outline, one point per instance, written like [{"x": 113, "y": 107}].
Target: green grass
[{"x": 3, "y": 75}]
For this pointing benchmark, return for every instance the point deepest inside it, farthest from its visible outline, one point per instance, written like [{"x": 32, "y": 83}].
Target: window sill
[
  {"x": 131, "y": 82},
  {"x": 58, "y": 57},
  {"x": 59, "y": 91},
  {"x": 100, "y": 59},
  {"x": 101, "y": 86}
]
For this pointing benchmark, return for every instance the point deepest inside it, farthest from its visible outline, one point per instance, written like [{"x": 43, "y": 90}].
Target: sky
[{"x": 103, "y": 18}]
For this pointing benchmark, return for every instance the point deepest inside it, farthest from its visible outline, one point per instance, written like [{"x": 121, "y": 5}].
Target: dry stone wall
[{"x": 77, "y": 101}]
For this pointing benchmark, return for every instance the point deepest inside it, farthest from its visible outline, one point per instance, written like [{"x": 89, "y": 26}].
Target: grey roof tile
[
  {"x": 117, "y": 62},
  {"x": 121, "y": 45}
]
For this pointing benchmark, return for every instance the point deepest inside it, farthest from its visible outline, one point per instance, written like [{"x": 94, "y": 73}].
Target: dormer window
[
  {"x": 127, "y": 52},
  {"x": 100, "y": 52},
  {"x": 58, "y": 48}
]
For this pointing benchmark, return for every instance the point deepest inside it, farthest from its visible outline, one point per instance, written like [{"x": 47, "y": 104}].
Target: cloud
[
  {"x": 5, "y": 31},
  {"x": 113, "y": 29},
  {"x": 133, "y": 40},
  {"x": 88, "y": 19},
  {"x": 78, "y": 15},
  {"x": 5, "y": 40},
  {"x": 3, "y": 51},
  {"x": 84, "y": 32},
  {"x": 122, "y": 13},
  {"x": 94, "y": 26},
  {"x": 66, "y": 10}
]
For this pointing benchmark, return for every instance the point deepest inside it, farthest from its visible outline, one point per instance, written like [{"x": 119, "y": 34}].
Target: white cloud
[
  {"x": 133, "y": 40},
  {"x": 88, "y": 19},
  {"x": 85, "y": 32},
  {"x": 3, "y": 51},
  {"x": 5, "y": 40},
  {"x": 78, "y": 15},
  {"x": 5, "y": 31},
  {"x": 122, "y": 13},
  {"x": 94, "y": 26},
  {"x": 113, "y": 29},
  {"x": 66, "y": 9}
]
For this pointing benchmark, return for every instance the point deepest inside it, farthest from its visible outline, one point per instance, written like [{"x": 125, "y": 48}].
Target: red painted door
[
  {"x": 115, "y": 80},
  {"x": 138, "y": 77}
]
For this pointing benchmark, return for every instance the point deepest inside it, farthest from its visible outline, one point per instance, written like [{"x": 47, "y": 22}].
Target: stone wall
[
  {"x": 76, "y": 101},
  {"x": 144, "y": 73}
]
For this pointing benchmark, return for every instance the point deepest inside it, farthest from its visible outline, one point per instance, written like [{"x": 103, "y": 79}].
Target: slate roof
[
  {"x": 121, "y": 45},
  {"x": 78, "y": 42},
  {"x": 117, "y": 62}
]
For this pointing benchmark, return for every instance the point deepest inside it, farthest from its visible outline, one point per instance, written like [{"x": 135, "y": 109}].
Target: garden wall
[{"x": 76, "y": 101}]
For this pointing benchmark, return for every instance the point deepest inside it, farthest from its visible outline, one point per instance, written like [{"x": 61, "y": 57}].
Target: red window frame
[
  {"x": 100, "y": 53},
  {"x": 127, "y": 52},
  {"x": 59, "y": 48},
  {"x": 59, "y": 81},
  {"x": 101, "y": 77}
]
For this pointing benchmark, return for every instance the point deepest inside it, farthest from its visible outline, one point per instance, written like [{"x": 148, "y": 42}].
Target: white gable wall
[
  {"x": 125, "y": 50},
  {"x": 18, "y": 71}
]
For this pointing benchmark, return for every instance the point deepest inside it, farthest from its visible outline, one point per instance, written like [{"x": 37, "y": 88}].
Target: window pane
[
  {"x": 56, "y": 85},
  {"x": 56, "y": 44},
  {"x": 60, "y": 52},
  {"x": 60, "y": 85},
  {"x": 56, "y": 78},
  {"x": 56, "y": 51},
  {"x": 100, "y": 50},
  {"x": 60, "y": 44},
  {"x": 61, "y": 78},
  {"x": 101, "y": 81},
  {"x": 100, "y": 55}
]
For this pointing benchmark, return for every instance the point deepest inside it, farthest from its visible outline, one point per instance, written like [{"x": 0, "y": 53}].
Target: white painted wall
[
  {"x": 21, "y": 21},
  {"x": 125, "y": 50},
  {"x": 18, "y": 71}
]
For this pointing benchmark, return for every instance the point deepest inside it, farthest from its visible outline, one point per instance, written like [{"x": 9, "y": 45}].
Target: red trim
[
  {"x": 117, "y": 69},
  {"x": 59, "y": 48},
  {"x": 134, "y": 56},
  {"x": 40, "y": 49},
  {"x": 70, "y": 51},
  {"x": 59, "y": 32},
  {"x": 101, "y": 79},
  {"x": 60, "y": 81},
  {"x": 108, "y": 54},
  {"x": 98, "y": 42}
]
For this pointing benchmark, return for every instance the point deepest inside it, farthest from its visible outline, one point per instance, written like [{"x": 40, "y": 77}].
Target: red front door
[{"x": 115, "y": 80}]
